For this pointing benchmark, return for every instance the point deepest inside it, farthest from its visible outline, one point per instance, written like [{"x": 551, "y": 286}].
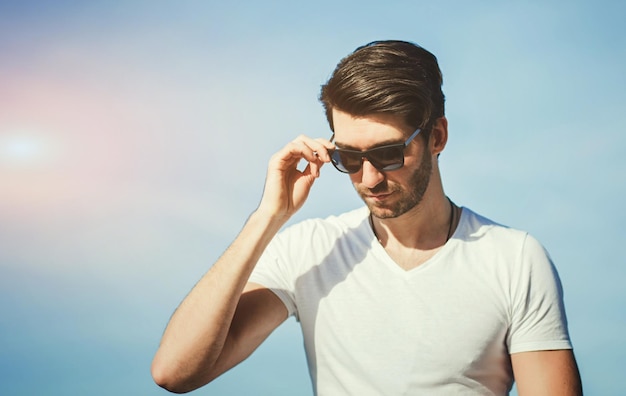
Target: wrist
[{"x": 268, "y": 219}]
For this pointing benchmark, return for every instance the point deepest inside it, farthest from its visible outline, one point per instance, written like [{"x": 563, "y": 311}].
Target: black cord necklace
[{"x": 452, "y": 216}]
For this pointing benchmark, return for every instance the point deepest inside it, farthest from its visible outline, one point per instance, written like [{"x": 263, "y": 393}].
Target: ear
[{"x": 439, "y": 136}]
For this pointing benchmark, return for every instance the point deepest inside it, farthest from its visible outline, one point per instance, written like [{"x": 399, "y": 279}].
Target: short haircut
[{"x": 390, "y": 77}]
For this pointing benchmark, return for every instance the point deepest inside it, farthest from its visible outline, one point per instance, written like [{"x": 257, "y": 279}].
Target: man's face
[{"x": 392, "y": 193}]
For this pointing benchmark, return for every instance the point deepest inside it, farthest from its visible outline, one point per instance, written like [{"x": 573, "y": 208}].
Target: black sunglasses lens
[
  {"x": 346, "y": 162},
  {"x": 387, "y": 158},
  {"x": 383, "y": 158}
]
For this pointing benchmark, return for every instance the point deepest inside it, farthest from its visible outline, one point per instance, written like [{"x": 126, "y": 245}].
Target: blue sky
[{"x": 134, "y": 138}]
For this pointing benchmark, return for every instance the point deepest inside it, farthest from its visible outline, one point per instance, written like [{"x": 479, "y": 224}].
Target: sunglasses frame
[{"x": 367, "y": 154}]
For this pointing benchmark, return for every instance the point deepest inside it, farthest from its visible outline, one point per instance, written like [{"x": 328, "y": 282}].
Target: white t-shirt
[{"x": 446, "y": 327}]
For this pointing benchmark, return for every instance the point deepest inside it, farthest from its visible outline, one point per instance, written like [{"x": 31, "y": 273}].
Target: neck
[{"x": 427, "y": 226}]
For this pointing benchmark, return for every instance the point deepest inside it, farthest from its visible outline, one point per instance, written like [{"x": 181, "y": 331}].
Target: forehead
[{"x": 368, "y": 131}]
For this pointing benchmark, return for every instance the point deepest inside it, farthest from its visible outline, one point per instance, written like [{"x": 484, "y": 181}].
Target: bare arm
[
  {"x": 216, "y": 326},
  {"x": 549, "y": 373}
]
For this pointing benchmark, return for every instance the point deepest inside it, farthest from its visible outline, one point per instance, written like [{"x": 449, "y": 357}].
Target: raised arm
[{"x": 224, "y": 318}]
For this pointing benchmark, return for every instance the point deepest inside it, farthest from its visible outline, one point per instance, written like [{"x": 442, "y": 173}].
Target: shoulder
[
  {"x": 332, "y": 225},
  {"x": 498, "y": 243},
  {"x": 308, "y": 243},
  {"x": 476, "y": 227},
  {"x": 321, "y": 234}
]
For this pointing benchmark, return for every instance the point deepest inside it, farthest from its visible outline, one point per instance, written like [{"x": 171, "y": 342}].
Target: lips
[
  {"x": 378, "y": 193},
  {"x": 378, "y": 197}
]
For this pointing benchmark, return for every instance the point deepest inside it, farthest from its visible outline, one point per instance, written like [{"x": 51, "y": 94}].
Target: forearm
[
  {"x": 201, "y": 341},
  {"x": 197, "y": 331}
]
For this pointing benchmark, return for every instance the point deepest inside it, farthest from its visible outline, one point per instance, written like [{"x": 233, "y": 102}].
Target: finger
[
  {"x": 310, "y": 149},
  {"x": 327, "y": 143},
  {"x": 315, "y": 167},
  {"x": 313, "y": 151},
  {"x": 322, "y": 148}
]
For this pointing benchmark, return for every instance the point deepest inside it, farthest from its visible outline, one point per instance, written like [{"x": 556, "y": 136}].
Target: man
[{"x": 410, "y": 294}]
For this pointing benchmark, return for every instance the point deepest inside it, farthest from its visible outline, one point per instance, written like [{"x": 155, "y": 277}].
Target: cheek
[
  {"x": 416, "y": 159},
  {"x": 413, "y": 157},
  {"x": 355, "y": 178}
]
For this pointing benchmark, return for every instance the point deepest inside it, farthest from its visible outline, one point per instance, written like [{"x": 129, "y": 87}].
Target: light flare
[{"x": 24, "y": 147}]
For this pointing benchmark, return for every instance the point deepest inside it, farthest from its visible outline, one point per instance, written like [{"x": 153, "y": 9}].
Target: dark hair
[{"x": 394, "y": 77}]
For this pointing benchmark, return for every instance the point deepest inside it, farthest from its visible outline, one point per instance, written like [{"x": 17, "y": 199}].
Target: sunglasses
[{"x": 384, "y": 158}]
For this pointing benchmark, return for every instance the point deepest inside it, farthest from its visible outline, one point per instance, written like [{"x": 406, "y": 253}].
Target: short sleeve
[
  {"x": 538, "y": 320},
  {"x": 272, "y": 271}
]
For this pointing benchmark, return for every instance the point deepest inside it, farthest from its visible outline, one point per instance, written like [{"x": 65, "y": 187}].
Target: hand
[{"x": 286, "y": 187}]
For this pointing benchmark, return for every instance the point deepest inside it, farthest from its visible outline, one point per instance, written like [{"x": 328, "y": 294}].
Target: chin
[
  {"x": 393, "y": 210},
  {"x": 384, "y": 212}
]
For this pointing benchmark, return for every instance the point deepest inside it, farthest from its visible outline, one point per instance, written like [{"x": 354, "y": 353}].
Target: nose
[{"x": 370, "y": 176}]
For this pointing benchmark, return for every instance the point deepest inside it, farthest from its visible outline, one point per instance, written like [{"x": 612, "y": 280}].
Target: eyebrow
[{"x": 354, "y": 148}]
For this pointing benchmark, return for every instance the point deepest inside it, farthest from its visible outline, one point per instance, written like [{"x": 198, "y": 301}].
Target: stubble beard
[{"x": 405, "y": 199}]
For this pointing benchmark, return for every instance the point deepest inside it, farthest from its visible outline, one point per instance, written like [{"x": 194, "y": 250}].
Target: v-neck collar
[{"x": 379, "y": 251}]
